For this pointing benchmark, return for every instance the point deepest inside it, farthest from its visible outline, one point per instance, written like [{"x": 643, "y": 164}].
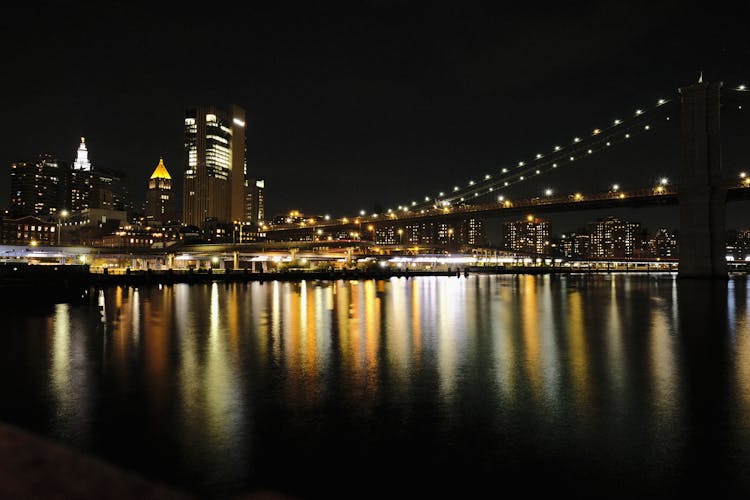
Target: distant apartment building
[
  {"x": 471, "y": 232},
  {"x": 386, "y": 235},
  {"x": 664, "y": 244},
  {"x": 432, "y": 233},
  {"x": 575, "y": 245},
  {"x": 613, "y": 238},
  {"x": 531, "y": 235}
]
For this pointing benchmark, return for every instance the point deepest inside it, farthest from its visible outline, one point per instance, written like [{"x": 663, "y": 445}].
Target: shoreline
[{"x": 40, "y": 280}]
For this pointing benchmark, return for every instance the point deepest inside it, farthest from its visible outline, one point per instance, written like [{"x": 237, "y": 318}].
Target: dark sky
[{"x": 365, "y": 103}]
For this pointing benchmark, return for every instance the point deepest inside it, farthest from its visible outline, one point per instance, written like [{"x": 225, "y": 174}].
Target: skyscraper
[
  {"x": 159, "y": 197},
  {"x": 38, "y": 188},
  {"x": 80, "y": 179},
  {"x": 254, "y": 202},
  {"x": 215, "y": 168},
  {"x": 82, "y": 157}
]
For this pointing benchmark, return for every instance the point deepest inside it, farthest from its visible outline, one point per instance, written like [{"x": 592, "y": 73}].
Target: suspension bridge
[{"x": 701, "y": 191}]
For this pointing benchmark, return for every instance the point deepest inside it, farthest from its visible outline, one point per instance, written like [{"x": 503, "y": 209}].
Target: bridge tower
[{"x": 702, "y": 196}]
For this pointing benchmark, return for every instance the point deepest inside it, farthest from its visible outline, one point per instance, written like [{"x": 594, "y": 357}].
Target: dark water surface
[{"x": 613, "y": 385}]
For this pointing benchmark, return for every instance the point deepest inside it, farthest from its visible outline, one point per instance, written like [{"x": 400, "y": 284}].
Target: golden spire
[{"x": 161, "y": 171}]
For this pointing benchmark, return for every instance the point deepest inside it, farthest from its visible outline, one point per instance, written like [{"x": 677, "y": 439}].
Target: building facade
[
  {"x": 254, "y": 201},
  {"x": 108, "y": 191},
  {"x": 665, "y": 244},
  {"x": 38, "y": 188},
  {"x": 430, "y": 233},
  {"x": 613, "y": 238},
  {"x": 28, "y": 230},
  {"x": 215, "y": 169},
  {"x": 159, "y": 196},
  {"x": 530, "y": 235}
]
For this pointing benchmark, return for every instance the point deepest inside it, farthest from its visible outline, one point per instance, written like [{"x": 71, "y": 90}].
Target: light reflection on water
[{"x": 636, "y": 380}]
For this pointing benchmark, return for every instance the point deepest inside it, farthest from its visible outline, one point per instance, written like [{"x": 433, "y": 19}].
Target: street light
[
  {"x": 63, "y": 214},
  {"x": 400, "y": 236}
]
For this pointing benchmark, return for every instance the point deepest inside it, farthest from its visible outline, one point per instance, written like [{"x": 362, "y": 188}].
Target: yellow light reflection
[
  {"x": 530, "y": 331},
  {"x": 61, "y": 371},
  {"x": 579, "y": 359},
  {"x": 739, "y": 313}
]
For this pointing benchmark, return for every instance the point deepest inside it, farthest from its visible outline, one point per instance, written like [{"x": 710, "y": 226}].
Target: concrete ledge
[{"x": 34, "y": 468}]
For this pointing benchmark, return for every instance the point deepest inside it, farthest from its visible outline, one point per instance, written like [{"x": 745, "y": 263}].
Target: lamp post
[{"x": 63, "y": 214}]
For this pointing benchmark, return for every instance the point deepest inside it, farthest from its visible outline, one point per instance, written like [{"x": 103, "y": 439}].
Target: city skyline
[{"x": 349, "y": 110}]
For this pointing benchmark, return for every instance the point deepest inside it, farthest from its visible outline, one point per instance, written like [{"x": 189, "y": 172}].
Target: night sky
[{"x": 368, "y": 103}]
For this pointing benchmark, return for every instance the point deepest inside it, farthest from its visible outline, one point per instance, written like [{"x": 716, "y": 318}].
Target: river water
[{"x": 616, "y": 385}]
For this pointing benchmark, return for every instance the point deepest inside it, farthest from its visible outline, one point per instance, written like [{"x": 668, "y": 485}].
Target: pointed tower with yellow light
[{"x": 159, "y": 197}]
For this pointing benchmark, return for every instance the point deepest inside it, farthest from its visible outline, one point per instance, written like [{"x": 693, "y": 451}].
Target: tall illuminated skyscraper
[
  {"x": 82, "y": 157},
  {"x": 215, "y": 165},
  {"x": 81, "y": 179},
  {"x": 159, "y": 197}
]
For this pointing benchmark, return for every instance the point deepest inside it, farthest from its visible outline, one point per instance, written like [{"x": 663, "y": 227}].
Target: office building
[
  {"x": 214, "y": 184},
  {"x": 81, "y": 181},
  {"x": 38, "y": 188},
  {"x": 254, "y": 201},
  {"x": 82, "y": 157},
  {"x": 108, "y": 191},
  {"x": 159, "y": 197}
]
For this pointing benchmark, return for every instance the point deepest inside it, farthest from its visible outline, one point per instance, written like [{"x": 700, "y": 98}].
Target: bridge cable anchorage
[{"x": 620, "y": 131}]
